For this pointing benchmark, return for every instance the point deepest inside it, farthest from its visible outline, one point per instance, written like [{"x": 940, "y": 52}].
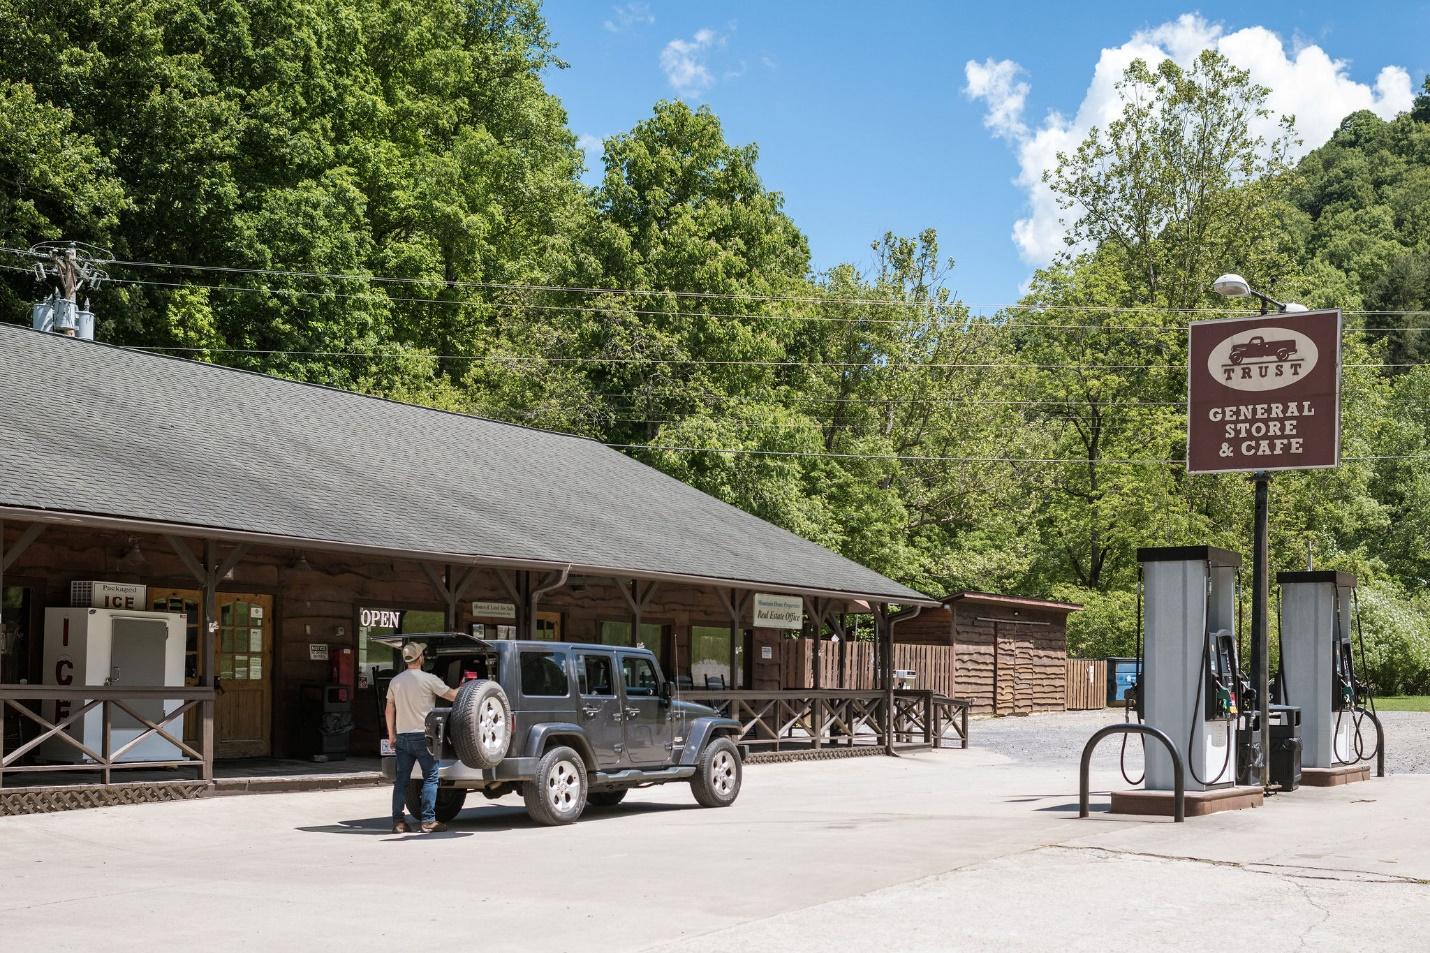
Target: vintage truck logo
[{"x": 1262, "y": 359}]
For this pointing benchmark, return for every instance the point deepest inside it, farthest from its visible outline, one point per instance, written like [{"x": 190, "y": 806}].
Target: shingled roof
[{"x": 89, "y": 428}]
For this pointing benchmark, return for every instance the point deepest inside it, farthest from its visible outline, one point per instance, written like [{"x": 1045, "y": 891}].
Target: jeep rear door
[
  {"x": 601, "y": 709},
  {"x": 649, "y": 729}
]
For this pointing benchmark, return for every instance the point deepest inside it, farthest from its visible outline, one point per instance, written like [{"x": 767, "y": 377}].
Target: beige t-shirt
[{"x": 414, "y": 693}]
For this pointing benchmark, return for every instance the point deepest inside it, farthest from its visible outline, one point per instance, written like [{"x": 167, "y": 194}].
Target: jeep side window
[
  {"x": 594, "y": 675},
  {"x": 639, "y": 675},
  {"x": 544, "y": 674}
]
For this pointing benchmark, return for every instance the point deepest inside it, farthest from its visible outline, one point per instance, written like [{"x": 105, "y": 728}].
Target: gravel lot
[{"x": 1060, "y": 736}]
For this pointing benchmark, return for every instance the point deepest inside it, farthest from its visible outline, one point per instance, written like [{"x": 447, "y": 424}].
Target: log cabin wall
[
  {"x": 317, "y": 600},
  {"x": 1010, "y": 666}
]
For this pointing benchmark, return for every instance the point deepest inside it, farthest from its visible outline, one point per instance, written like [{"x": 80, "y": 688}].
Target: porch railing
[
  {"x": 108, "y": 701},
  {"x": 808, "y": 719}
]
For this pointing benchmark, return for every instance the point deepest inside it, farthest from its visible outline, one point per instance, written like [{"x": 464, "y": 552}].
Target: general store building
[{"x": 287, "y": 525}]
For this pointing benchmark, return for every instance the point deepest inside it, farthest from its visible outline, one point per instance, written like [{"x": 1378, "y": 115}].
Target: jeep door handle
[
  {"x": 632, "y": 712},
  {"x": 591, "y": 711}
]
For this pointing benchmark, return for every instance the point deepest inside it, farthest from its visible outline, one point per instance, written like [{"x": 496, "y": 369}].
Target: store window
[
  {"x": 548, "y": 626},
  {"x": 240, "y": 642},
  {"x": 619, "y": 633},
  {"x": 16, "y": 643},
  {"x": 712, "y": 661},
  {"x": 376, "y": 623}
]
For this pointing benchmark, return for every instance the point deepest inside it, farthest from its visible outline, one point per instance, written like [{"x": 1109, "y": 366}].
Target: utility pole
[{"x": 72, "y": 267}]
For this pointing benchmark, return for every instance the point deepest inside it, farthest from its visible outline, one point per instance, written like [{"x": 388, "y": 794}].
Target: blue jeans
[{"x": 412, "y": 748}]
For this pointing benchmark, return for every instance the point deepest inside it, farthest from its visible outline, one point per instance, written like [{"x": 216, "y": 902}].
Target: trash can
[
  {"x": 325, "y": 721},
  {"x": 1286, "y": 746},
  {"x": 1284, "y": 760},
  {"x": 1121, "y": 676}
]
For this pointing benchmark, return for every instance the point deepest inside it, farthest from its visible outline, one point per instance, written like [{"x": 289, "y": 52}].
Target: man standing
[{"x": 410, "y": 696}]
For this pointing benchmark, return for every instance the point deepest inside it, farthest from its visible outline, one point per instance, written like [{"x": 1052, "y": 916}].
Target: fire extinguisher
[{"x": 340, "y": 667}]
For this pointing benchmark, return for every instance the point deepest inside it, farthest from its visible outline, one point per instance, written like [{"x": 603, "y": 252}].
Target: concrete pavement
[{"x": 963, "y": 850}]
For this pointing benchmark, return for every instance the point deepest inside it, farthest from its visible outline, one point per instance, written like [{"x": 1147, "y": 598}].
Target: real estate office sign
[{"x": 1264, "y": 393}]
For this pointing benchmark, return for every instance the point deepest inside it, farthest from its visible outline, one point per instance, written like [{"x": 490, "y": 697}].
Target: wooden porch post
[
  {"x": 636, "y": 600},
  {"x": 884, "y": 652},
  {"x": 207, "y": 574},
  {"x": 451, "y": 588}
]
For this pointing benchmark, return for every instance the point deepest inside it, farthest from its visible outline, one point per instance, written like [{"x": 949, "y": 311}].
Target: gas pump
[
  {"x": 1318, "y": 667},
  {"x": 1191, "y": 686}
]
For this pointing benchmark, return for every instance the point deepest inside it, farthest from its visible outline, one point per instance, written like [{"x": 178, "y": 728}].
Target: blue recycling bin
[{"x": 1121, "y": 675}]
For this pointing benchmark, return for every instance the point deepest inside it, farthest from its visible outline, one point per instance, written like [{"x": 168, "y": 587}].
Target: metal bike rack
[{"x": 1179, "y": 794}]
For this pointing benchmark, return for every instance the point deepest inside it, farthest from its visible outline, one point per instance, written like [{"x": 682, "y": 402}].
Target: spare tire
[{"x": 480, "y": 724}]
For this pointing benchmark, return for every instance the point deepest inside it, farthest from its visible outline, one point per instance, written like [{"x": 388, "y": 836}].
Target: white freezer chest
[{"x": 117, "y": 648}]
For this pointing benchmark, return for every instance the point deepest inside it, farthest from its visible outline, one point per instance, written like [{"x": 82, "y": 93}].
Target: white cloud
[
  {"x": 592, "y": 146},
  {"x": 1305, "y": 82},
  {"x": 686, "y": 65},
  {"x": 997, "y": 83},
  {"x": 628, "y": 15}
]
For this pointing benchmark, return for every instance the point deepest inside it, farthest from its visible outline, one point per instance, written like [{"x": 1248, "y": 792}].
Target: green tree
[{"x": 1179, "y": 187}]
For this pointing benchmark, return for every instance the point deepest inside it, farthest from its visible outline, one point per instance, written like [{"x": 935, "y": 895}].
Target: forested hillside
[{"x": 382, "y": 195}]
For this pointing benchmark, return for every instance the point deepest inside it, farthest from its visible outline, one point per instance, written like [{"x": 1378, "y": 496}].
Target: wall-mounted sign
[
  {"x": 380, "y": 618},
  {"x": 494, "y": 610},
  {"x": 778, "y": 612},
  {"x": 767, "y": 652},
  {"x": 1264, "y": 393},
  {"x": 317, "y": 651},
  {"x": 108, "y": 595}
]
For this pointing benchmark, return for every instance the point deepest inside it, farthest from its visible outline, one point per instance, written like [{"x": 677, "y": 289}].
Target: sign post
[{"x": 1264, "y": 394}]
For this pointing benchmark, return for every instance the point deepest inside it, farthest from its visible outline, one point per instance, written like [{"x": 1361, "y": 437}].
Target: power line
[
  {"x": 690, "y": 361},
  {"x": 952, "y": 459},
  {"x": 672, "y": 293}
]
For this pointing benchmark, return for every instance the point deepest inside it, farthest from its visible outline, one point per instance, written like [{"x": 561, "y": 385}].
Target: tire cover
[{"x": 480, "y": 724}]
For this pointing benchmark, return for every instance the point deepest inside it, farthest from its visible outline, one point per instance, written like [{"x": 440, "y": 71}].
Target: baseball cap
[{"x": 413, "y": 651}]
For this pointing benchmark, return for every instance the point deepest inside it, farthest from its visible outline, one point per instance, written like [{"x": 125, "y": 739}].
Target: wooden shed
[{"x": 1009, "y": 652}]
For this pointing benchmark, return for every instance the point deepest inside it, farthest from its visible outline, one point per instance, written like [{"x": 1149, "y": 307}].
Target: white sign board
[
  {"x": 767, "y": 652},
  {"x": 778, "y": 612},
  {"x": 494, "y": 610},
  {"x": 317, "y": 651},
  {"x": 108, "y": 595}
]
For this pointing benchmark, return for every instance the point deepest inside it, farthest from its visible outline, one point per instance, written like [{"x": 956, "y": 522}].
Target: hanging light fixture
[{"x": 133, "y": 559}]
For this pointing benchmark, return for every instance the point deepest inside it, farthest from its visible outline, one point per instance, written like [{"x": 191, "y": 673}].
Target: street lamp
[{"x": 1235, "y": 286}]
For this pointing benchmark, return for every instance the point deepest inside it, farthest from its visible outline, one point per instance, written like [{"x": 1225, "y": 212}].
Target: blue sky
[{"x": 900, "y": 116}]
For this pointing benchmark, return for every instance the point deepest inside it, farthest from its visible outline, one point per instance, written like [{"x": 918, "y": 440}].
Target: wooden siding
[
  {"x": 1007, "y": 666},
  {"x": 1087, "y": 684},
  {"x": 317, "y": 601}
]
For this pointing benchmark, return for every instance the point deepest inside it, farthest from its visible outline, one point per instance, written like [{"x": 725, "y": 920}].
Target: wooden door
[
  {"x": 1005, "y": 672},
  {"x": 243, "y": 711},
  {"x": 243, "y": 714}
]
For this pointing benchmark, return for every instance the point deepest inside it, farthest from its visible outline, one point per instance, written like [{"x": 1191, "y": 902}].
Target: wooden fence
[
  {"x": 835, "y": 720},
  {"x": 1087, "y": 684},
  {"x": 934, "y": 665},
  {"x": 110, "y": 702}
]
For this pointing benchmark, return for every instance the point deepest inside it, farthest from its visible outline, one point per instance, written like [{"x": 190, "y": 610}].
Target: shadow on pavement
[{"x": 493, "y": 818}]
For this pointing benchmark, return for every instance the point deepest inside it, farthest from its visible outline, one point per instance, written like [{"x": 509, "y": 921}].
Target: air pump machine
[
  {"x": 1318, "y": 675},
  {"x": 1191, "y": 686}
]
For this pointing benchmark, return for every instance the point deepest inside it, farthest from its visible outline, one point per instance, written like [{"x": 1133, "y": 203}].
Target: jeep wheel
[
  {"x": 1283, "y": 355},
  {"x": 717, "y": 781},
  {"x": 450, "y": 801},
  {"x": 480, "y": 724},
  {"x": 557, "y": 794},
  {"x": 607, "y": 798}
]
